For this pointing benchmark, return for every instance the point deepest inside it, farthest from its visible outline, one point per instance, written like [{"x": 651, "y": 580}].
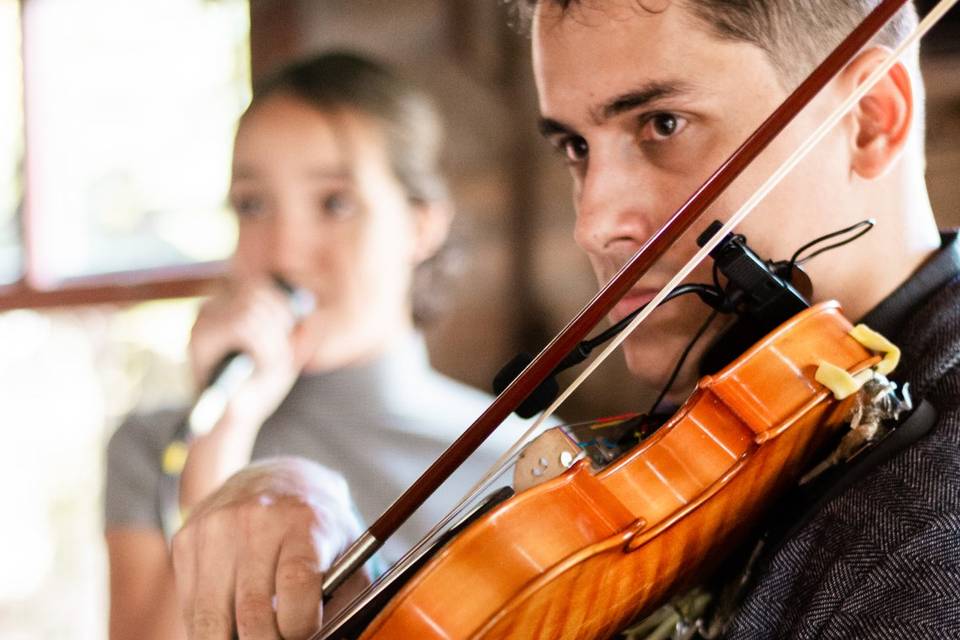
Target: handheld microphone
[
  {"x": 236, "y": 367},
  {"x": 228, "y": 376}
]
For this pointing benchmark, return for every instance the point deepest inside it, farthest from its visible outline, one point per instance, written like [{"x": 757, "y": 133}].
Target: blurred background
[{"x": 117, "y": 120}]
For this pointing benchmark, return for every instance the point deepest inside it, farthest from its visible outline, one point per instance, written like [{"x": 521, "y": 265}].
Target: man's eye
[
  {"x": 573, "y": 148},
  {"x": 661, "y": 126}
]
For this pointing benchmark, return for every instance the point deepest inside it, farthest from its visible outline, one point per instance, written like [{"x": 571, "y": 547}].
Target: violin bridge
[
  {"x": 549, "y": 455},
  {"x": 602, "y": 441}
]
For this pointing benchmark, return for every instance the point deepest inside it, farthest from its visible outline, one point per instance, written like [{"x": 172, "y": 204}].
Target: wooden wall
[{"x": 526, "y": 277}]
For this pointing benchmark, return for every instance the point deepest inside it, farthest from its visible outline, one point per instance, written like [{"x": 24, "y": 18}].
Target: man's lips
[{"x": 634, "y": 299}]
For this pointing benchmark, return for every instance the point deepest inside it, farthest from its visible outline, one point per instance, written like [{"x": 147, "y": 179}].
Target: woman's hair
[{"x": 411, "y": 132}]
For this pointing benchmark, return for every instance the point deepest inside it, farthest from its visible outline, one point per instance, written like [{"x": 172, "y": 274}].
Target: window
[
  {"x": 117, "y": 123},
  {"x": 11, "y": 141},
  {"x": 130, "y": 109}
]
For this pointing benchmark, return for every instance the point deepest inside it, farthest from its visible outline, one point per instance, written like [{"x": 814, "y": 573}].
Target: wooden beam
[
  {"x": 127, "y": 287},
  {"x": 275, "y": 36}
]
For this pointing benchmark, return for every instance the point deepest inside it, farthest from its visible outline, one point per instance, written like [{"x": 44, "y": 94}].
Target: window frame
[
  {"x": 182, "y": 281},
  {"x": 34, "y": 290}
]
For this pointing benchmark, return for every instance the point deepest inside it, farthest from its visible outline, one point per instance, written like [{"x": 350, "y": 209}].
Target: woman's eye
[
  {"x": 661, "y": 126},
  {"x": 248, "y": 206},
  {"x": 338, "y": 205},
  {"x": 573, "y": 148}
]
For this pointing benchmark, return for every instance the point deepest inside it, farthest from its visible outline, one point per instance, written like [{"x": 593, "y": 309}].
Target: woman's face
[{"x": 319, "y": 206}]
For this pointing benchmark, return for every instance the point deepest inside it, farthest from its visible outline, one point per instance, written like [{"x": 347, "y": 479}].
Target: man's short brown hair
[{"x": 795, "y": 34}]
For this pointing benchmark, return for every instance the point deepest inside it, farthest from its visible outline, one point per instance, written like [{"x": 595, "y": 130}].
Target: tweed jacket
[{"x": 882, "y": 559}]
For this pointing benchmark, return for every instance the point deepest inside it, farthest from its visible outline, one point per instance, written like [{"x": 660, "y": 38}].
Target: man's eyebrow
[
  {"x": 639, "y": 97},
  {"x": 622, "y": 103},
  {"x": 550, "y": 127}
]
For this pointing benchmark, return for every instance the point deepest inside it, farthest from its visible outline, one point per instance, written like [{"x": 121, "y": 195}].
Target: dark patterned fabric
[{"x": 882, "y": 560}]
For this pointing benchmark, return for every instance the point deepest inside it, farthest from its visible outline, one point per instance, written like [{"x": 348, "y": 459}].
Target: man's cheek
[
  {"x": 639, "y": 354},
  {"x": 597, "y": 270},
  {"x": 634, "y": 363}
]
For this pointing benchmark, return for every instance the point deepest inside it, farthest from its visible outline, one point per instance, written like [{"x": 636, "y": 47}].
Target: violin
[{"x": 580, "y": 555}]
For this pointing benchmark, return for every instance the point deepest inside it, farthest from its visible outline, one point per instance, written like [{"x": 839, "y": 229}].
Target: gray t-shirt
[{"x": 380, "y": 425}]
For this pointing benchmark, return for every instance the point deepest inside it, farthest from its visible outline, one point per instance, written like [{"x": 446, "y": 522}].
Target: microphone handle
[{"x": 235, "y": 369}]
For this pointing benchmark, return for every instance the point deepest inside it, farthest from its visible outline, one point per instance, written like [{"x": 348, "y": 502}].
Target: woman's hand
[
  {"x": 251, "y": 557},
  {"x": 253, "y": 317}
]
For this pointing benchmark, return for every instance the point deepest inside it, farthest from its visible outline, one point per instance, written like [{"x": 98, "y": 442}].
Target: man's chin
[
  {"x": 653, "y": 370},
  {"x": 649, "y": 371}
]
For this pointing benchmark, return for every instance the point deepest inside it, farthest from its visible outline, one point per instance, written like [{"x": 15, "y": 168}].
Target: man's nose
[{"x": 615, "y": 207}]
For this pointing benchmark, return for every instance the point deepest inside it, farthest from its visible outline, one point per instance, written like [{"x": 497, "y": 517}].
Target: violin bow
[{"x": 601, "y": 304}]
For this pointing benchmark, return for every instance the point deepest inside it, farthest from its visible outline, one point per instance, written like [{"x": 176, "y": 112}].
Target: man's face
[{"x": 644, "y": 107}]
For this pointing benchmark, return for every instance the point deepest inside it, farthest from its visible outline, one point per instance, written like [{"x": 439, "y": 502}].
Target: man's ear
[
  {"x": 883, "y": 118},
  {"x": 431, "y": 228}
]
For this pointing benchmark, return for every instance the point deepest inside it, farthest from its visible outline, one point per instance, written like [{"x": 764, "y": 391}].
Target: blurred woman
[{"x": 336, "y": 190}]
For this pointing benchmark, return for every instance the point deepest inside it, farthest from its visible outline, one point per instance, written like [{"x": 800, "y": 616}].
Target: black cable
[
  {"x": 724, "y": 300},
  {"x": 861, "y": 227},
  {"x": 545, "y": 393},
  {"x": 683, "y": 358},
  {"x": 708, "y": 294}
]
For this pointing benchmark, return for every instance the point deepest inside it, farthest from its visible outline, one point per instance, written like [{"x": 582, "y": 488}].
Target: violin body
[{"x": 581, "y": 555}]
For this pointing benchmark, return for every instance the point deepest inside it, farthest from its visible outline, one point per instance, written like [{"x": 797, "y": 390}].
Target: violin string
[
  {"x": 785, "y": 168},
  {"x": 772, "y": 181}
]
